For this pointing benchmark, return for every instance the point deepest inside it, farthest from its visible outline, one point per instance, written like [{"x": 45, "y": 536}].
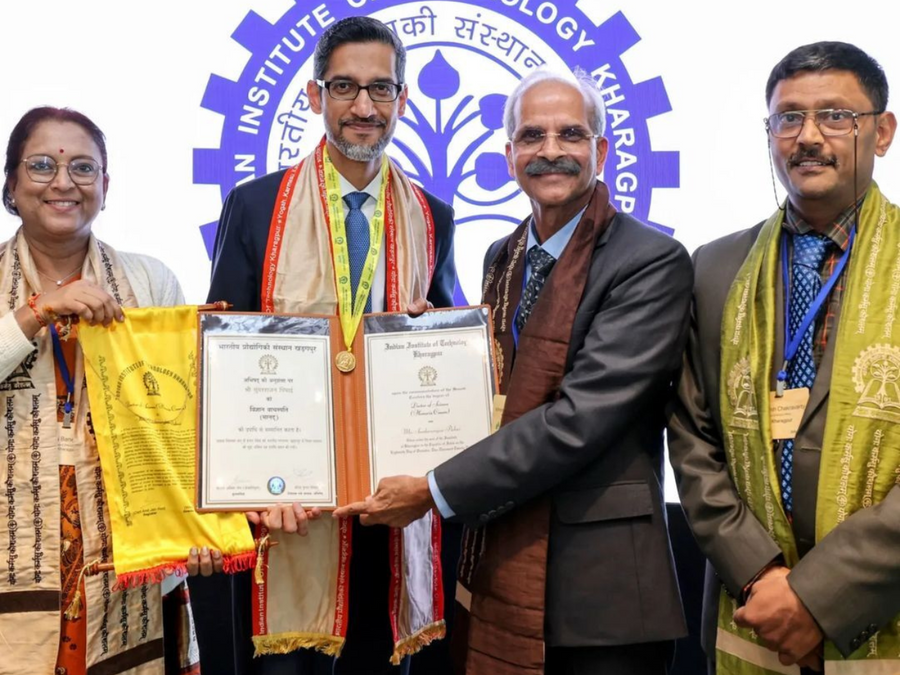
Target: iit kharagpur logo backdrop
[{"x": 463, "y": 60}]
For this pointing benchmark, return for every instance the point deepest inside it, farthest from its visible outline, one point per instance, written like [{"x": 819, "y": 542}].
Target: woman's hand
[
  {"x": 83, "y": 299},
  {"x": 204, "y": 562}
]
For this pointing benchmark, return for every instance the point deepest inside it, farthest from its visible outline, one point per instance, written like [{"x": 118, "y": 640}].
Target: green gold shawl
[{"x": 860, "y": 460}]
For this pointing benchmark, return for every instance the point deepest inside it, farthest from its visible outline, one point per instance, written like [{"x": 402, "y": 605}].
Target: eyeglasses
[
  {"x": 347, "y": 90},
  {"x": 43, "y": 169},
  {"x": 831, "y": 122},
  {"x": 568, "y": 139}
]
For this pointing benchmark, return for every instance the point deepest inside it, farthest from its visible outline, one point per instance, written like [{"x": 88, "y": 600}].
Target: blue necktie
[
  {"x": 541, "y": 264},
  {"x": 806, "y": 282},
  {"x": 357, "y": 240}
]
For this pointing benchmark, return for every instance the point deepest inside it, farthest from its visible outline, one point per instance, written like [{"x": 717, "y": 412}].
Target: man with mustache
[
  {"x": 277, "y": 251},
  {"x": 567, "y": 563},
  {"x": 785, "y": 437}
]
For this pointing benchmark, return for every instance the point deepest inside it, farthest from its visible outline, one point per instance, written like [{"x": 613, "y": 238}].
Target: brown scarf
[{"x": 504, "y": 565}]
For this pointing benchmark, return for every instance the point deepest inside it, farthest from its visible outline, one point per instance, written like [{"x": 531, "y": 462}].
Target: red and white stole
[{"x": 303, "y": 598}]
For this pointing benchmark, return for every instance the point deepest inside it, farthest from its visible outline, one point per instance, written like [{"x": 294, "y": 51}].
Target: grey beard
[{"x": 359, "y": 153}]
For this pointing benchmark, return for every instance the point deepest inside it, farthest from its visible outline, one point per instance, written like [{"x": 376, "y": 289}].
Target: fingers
[
  {"x": 204, "y": 562},
  {"x": 299, "y": 516},
  {"x": 254, "y": 517},
  {"x": 291, "y": 518},
  {"x": 740, "y": 617},
  {"x": 353, "y": 509},
  {"x": 417, "y": 307},
  {"x": 193, "y": 562},
  {"x": 272, "y": 517},
  {"x": 86, "y": 301},
  {"x": 206, "y": 566}
]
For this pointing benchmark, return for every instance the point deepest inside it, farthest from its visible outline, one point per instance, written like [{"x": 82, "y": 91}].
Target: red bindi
[{"x": 61, "y": 151}]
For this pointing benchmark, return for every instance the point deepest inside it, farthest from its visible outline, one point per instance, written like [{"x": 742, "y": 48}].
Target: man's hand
[
  {"x": 398, "y": 501},
  {"x": 814, "y": 660},
  {"x": 418, "y": 307},
  {"x": 780, "y": 619},
  {"x": 204, "y": 562},
  {"x": 290, "y": 518}
]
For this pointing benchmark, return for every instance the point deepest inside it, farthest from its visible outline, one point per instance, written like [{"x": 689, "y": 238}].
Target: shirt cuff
[{"x": 438, "y": 498}]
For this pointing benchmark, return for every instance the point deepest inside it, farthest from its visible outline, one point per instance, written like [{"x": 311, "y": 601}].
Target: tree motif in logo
[
  {"x": 268, "y": 364},
  {"x": 742, "y": 396},
  {"x": 439, "y": 81},
  {"x": 875, "y": 375},
  {"x": 427, "y": 376},
  {"x": 151, "y": 384},
  {"x": 450, "y": 139}
]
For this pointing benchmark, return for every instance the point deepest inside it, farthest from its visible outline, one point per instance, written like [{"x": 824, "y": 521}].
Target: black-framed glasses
[
  {"x": 43, "y": 169},
  {"x": 830, "y": 121},
  {"x": 348, "y": 90},
  {"x": 570, "y": 138}
]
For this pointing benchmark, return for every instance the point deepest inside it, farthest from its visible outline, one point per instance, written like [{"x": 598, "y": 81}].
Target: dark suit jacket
[
  {"x": 244, "y": 231},
  {"x": 237, "y": 277},
  {"x": 598, "y": 450},
  {"x": 849, "y": 580}
]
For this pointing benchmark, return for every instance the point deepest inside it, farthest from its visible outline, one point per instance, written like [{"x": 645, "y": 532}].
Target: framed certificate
[
  {"x": 283, "y": 419},
  {"x": 266, "y": 431},
  {"x": 430, "y": 383}
]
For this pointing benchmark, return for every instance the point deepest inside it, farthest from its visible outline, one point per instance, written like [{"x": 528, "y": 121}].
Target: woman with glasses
[{"x": 55, "y": 617}]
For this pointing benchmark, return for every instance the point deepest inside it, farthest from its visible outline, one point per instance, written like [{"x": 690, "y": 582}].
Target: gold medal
[{"x": 345, "y": 361}]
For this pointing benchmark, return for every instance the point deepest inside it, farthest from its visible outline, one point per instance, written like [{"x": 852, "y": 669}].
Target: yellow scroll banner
[{"x": 142, "y": 384}]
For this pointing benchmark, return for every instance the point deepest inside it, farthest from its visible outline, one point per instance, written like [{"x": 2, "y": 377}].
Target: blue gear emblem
[{"x": 463, "y": 58}]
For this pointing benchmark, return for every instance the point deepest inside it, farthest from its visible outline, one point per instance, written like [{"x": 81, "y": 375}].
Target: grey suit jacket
[
  {"x": 850, "y": 581},
  {"x": 597, "y": 451}
]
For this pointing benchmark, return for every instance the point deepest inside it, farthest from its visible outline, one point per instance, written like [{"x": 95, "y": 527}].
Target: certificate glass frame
[
  {"x": 430, "y": 383},
  {"x": 278, "y": 422},
  {"x": 266, "y": 427}
]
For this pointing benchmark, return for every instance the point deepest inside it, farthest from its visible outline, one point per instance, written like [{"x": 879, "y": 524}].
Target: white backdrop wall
[{"x": 141, "y": 70}]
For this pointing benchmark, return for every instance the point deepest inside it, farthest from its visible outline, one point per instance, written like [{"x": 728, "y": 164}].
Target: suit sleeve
[
  {"x": 234, "y": 272},
  {"x": 850, "y": 580},
  {"x": 625, "y": 363},
  {"x": 443, "y": 281},
  {"x": 730, "y": 536}
]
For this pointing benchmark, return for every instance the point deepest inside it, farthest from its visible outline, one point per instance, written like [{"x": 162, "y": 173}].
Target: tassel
[
  {"x": 260, "y": 557},
  {"x": 73, "y": 612}
]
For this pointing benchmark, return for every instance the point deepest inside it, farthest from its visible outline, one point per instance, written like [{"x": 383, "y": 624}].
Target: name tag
[
  {"x": 785, "y": 412},
  {"x": 68, "y": 446},
  {"x": 497, "y": 414}
]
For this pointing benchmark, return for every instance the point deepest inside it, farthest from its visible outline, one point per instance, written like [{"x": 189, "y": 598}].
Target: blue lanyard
[
  {"x": 67, "y": 377},
  {"x": 792, "y": 344}
]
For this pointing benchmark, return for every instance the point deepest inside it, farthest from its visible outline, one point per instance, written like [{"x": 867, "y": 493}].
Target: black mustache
[
  {"x": 364, "y": 120},
  {"x": 811, "y": 154},
  {"x": 540, "y": 166}
]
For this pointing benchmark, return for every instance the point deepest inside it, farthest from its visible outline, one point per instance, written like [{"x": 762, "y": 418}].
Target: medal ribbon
[
  {"x": 351, "y": 311},
  {"x": 792, "y": 344}
]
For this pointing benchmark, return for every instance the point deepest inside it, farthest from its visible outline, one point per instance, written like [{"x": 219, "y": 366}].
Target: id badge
[
  {"x": 786, "y": 412},
  {"x": 68, "y": 445}
]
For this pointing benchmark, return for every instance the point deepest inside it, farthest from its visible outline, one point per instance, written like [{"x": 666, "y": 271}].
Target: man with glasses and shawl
[
  {"x": 785, "y": 438},
  {"x": 344, "y": 224},
  {"x": 567, "y": 566}
]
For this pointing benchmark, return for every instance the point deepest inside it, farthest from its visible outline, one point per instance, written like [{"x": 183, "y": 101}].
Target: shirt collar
[
  {"x": 372, "y": 189},
  {"x": 838, "y": 231},
  {"x": 556, "y": 244}
]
